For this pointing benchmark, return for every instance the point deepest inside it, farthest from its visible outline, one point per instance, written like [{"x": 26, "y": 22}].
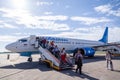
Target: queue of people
[
  {"x": 59, "y": 54},
  {"x": 64, "y": 60},
  {"x": 79, "y": 58}
]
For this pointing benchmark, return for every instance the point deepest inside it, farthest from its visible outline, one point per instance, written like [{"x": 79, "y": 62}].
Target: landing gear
[
  {"x": 40, "y": 61},
  {"x": 30, "y": 59}
]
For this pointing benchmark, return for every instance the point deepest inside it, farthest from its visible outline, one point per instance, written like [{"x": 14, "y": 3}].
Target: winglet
[{"x": 105, "y": 36}]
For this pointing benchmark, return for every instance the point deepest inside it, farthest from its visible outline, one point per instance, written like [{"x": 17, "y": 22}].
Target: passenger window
[{"x": 23, "y": 40}]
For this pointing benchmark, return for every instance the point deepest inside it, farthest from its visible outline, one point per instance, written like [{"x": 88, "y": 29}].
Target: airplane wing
[
  {"x": 113, "y": 47},
  {"x": 106, "y": 45}
]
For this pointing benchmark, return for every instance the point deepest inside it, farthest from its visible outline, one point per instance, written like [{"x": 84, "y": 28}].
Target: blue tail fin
[{"x": 105, "y": 36}]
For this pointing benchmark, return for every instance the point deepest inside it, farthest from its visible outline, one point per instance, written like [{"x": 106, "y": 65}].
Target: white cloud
[
  {"x": 93, "y": 33},
  {"x": 108, "y": 9},
  {"x": 86, "y": 30},
  {"x": 78, "y": 35},
  {"x": 14, "y": 13},
  {"x": 103, "y": 8},
  {"x": 51, "y": 25},
  {"x": 48, "y": 13},
  {"x": 22, "y": 34},
  {"x": 5, "y": 25},
  {"x": 114, "y": 33},
  {"x": 18, "y": 4},
  {"x": 35, "y": 22},
  {"x": 58, "y": 17},
  {"x": 1, "y": 21},
  {"x": 8, "y": 38},
  {"x": 90, "y": 20},
  {"x": 39, "y": 3}
]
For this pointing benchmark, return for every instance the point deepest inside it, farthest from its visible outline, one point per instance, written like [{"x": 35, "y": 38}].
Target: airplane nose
[
  {"x": 11, "y": 47},
  {"x": 8, "y": 47}
]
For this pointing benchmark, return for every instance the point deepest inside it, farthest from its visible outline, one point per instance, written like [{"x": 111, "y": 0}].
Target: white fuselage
[{"x": 27, "y": 44}]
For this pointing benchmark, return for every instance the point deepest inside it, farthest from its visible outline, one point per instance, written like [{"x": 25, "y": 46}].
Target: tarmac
[{"x": 17, "y": 68}]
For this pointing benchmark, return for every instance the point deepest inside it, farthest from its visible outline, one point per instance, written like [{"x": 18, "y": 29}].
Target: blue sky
[{"x": 84, "y": 19}]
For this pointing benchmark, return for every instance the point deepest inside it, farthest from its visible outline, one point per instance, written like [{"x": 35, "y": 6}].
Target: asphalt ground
[{"x": 17, "y": 68}]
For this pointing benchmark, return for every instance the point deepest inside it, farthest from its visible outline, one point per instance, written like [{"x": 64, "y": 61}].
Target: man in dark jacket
[{"x": 79, "y": 65}]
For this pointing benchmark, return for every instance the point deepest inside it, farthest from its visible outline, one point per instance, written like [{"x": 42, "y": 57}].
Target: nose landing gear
[{"x": 29, "y": 59}]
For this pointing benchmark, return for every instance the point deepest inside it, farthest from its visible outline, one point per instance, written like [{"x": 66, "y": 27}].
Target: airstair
[
  {"x": 51, "y": 60},
  {"x": 48, "y": 57}
]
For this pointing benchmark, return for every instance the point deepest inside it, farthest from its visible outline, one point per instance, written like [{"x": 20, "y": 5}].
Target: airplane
[
  {"x": 26, "y": 46},
  {"x": 30, "y": 45}
]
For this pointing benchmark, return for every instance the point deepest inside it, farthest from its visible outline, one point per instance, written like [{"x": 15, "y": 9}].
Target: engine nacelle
[{"x": 88, "y": 51}]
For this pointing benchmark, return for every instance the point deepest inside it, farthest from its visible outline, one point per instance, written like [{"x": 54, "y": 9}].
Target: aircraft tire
[{"x": 30, "y": 59}]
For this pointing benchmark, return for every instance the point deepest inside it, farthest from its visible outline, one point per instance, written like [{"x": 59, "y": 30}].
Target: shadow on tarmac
[
  {"x": 28, "y": 65},
  {"x": 117, "y": 71},
  {"x": 73, "y": 74},
  {"x": 41, "y": 66}
]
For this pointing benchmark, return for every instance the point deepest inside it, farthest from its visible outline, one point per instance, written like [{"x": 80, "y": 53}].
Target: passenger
[
  {"x": 44, "y": 42},
  {"x": 63, "y": 56},
  {"x": 77, "y": 55},
  {"x": 75, "y": 51},
  {"x": 79, "y": 65},
  {"x": 52, "y": 43},
  {"x": 78, "y": 61},
  {"x": 47, "y": 44},
  {"x": 109, "y": 60},
  {"x": 56, "y": 51},
  {"x": 41, "y": 41},
  {"x": 51, "y": 46}
]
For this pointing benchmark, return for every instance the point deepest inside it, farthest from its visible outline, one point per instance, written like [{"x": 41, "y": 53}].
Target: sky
[{"x": 81, "y": 19}]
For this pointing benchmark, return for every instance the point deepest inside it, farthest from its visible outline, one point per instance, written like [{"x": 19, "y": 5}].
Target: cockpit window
[{"x": 23, "y": 40}]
